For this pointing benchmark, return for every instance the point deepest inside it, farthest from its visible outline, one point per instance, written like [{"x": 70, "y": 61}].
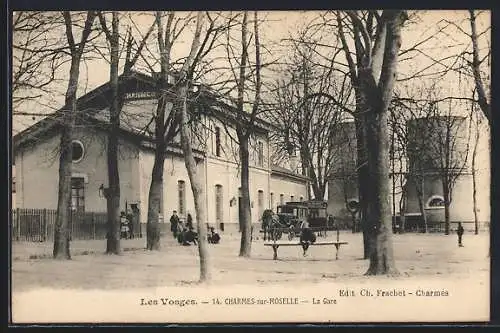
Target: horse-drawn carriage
[{"x": 290, "y": 217}]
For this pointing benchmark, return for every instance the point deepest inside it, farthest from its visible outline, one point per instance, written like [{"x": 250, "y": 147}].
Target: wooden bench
[{"x": 275, "y": 246}]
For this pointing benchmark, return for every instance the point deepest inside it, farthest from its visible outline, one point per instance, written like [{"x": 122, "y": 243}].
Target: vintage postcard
[{"x": 251, "y": 167}]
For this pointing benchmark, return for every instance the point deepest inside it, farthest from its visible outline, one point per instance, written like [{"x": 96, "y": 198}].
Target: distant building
[
  {"x": 434, "y": 145},
  {"x": 36, "y": 159},
  {"x": 440, "y": 148},
  {"x": 343, "y": 180}
]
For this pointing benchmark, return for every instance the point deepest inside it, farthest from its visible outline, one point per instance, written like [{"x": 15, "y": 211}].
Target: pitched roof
[
  {"x": 281, "y": 171},
  {"x": 94, "y": 104}
]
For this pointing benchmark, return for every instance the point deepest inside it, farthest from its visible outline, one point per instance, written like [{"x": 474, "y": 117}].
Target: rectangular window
[
  {"x": 282, "y": 199},
  {"x": 260, "y": 154},
  {"x": 182, "y": 197},
  {"x": 77, "y": 194},
  {"x": 260, "y": 202},
  {"x": 13, "y": 184},
  {"x": 217, "y": 142},
  {"x": 218, "y": 204}
]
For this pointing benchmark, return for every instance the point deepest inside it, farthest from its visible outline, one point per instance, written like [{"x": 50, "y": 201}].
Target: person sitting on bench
[
  {"x": 307, "y": 237},
  {"x": 213, "y": 237}
]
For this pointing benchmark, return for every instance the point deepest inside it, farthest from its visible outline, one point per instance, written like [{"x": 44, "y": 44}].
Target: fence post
[
  {"x": 45, "y": 225},
  {"x": 18, "y": 224},
  {"x": 93, "y": 225}
]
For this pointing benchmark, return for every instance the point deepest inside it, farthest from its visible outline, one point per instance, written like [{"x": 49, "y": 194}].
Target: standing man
[
  {"x": 460, "y": 233},
  {"x": 189, "y": 221},
  {"x": 174, "y": 222}
]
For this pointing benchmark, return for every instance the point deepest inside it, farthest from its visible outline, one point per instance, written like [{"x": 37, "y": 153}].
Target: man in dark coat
[
  {"x": 307, "y": 236},
  {"x": 189, "y": 221},
  {"x": 174, "y": 221},
  {"x": 460, "y": 233}
]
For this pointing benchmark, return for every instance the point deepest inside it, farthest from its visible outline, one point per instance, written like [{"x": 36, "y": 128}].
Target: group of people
[{"x": 185, "y": 234}]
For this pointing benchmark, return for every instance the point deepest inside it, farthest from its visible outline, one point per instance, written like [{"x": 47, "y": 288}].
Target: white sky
[{"x": 279, "y": 25}]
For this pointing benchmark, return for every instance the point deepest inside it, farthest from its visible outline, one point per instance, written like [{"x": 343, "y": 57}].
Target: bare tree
[
  {"x": 196, "y": 180},
  {"x": 37, "y": 56},
  {"x": 112, "y": 193},
  {"x": 477, "y": 132},
  {"x": 373, "y": 77},
  {"x": 308, "y": 115},
  {"x": 244, "y": 74},
  {"x": 481, "y": 87},
  {"x": 168, "y": 112},
  {"x": 61, "y": 234},
  {"x": 166, "y": 124},
  {"x": 448, "y": 150}
]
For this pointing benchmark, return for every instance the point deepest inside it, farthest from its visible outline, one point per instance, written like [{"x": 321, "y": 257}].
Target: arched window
[
  {"x": 435, "y": 202},
  {"x": 181, "y": 185},
  {"x": 291, "y": 198},
  {"x": 77, "y": 151}
]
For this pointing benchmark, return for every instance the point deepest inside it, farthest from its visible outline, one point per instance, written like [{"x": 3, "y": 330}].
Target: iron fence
[{"x": 37, "y": 225}]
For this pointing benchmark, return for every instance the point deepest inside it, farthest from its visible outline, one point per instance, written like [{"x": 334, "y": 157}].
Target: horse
[{"x": 269, "y": 222}]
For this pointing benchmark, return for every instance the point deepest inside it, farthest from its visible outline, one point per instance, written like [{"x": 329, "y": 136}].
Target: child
[
  {"x": 124, "y": 225},
  {"x": 213, "y": 237}
]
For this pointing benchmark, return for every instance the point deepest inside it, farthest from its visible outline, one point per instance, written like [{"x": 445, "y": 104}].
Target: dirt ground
[
  {"x": 95, "y": 287},
  {"x": 416, "y": 255}
]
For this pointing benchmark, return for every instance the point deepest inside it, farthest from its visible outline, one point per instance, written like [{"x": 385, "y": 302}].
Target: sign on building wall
[{"x": 140, "y": 95}]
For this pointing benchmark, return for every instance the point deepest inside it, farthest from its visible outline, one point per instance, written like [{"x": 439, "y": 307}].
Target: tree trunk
[
  {"x": 62, "y": 232},
  {"x": 420, "y": 197},
  {"x": 483, "y": 102},
  {"x": 363, "y": 177},
  {"x": 113, "y": 197},
  {"x": 474, "y": 180},
  {"x": 164, "y": 127},
  {"x": 402, "y": 210},
  {"x": 380, "y": 96},
  {"x": 380, "y": 224},
  {"x": 195, "y": 179},
  {"x": 246, "y": 214},
  {"x": 446, "y": 197},
  {"x": 155, "y": 205},
  {"x": 198, "y": 190}
]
